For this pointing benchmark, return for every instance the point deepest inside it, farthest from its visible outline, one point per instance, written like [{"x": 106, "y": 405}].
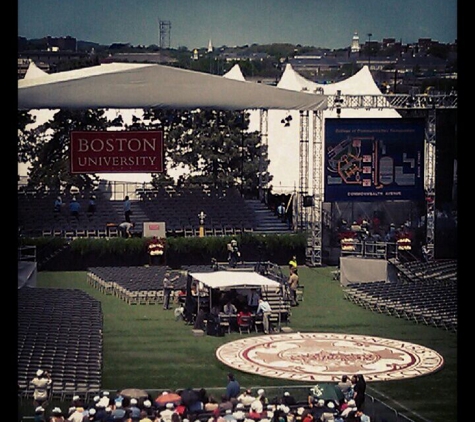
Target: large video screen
[{"x": 374, "y": 159}]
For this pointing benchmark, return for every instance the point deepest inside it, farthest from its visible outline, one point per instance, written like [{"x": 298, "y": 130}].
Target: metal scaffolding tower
[
  {"x": 310, "y": 218},
  {"x": 263, "y": 156}
]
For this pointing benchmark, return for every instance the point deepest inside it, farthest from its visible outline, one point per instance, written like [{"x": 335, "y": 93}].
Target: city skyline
[{"x": 319, "y": 23}]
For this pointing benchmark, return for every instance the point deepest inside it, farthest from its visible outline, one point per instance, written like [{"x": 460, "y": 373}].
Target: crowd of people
[{"x": 236, "y": 404}]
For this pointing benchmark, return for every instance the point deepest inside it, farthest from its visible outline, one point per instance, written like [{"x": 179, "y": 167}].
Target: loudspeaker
[{"x": 308, "y": 201}]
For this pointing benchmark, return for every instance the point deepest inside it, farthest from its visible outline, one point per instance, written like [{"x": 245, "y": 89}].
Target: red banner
[{"x": 116, "y": 152}]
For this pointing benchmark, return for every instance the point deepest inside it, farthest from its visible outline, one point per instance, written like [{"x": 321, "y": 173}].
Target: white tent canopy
[
  {"x": 124, "y": 85},
  {"x": 226, "y": 280},
  {"x": 283, "y": 141}
]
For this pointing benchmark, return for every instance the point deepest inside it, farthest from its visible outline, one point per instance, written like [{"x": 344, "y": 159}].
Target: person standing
[
  {"x": 293, "y": 285},
  {"x": 91, "y": 207},
  {"x": 74, "y": 208},
  {"x": 346, "y": 387},
  {"x": 168, "y": 281},
  {"x": 127, "y": 208},
  {"x": 233, "y": 389},
  {"x": 233, "y": 253},
  {"x": 41, "y": 384},
  {"x": 293, "y": 262},
  {"x": 281, "y": 212},
  {"x": 359, "y": 390},
  {"x": 57, "y": 207},
  {"x": 252, "y": 300},
  {"x": 265, "y": 309}
]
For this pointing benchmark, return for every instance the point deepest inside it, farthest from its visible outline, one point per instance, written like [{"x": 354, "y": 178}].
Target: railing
[{"x": 368, "y": 249}]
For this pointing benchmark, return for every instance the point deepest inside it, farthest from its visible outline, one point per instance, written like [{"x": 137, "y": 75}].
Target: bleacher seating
[
  {"x": 226, "y": 212},
  {"x": 36, "y": 216}
]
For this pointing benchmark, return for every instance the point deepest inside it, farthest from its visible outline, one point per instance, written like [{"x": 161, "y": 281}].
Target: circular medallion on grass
[{"x": 328, "y": 356}]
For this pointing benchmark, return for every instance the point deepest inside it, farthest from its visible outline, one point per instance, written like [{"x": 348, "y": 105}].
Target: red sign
[{"x": 116, "y": 152}]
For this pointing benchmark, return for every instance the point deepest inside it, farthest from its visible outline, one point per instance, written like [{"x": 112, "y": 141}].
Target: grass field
[{"x": 145, "y": 347}]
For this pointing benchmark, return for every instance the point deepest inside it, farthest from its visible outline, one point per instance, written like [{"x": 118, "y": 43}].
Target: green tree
[
  {"x": 47, "y": 146},
  {"x": 215, "y": 146}
]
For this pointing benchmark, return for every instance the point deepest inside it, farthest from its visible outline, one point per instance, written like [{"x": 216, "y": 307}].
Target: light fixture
[{"x": 286, "y": 121}]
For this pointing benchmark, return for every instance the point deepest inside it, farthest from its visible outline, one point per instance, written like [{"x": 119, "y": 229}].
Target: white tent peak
[
  {"x": 235, "y": 73},
  {"x": 291, "y": 79},
  {"x": 34, "y": 71},
  {"x": 361, "y": 83}
]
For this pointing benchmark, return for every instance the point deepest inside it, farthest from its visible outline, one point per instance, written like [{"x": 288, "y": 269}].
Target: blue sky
[{"x": 320, "y": 23}]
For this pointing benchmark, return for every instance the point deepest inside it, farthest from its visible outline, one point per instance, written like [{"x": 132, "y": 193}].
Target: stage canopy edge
[{"x": 126, "y": 85}]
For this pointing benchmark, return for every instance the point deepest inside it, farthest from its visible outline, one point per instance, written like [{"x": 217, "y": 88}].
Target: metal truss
[
  {"x": 263, "y": 156},
  {"x": 395, "y": 101},
  {"x": 303, "y": 209},
  {"x": 310, "y": 220},
  {"x": 313, "y": 253}
]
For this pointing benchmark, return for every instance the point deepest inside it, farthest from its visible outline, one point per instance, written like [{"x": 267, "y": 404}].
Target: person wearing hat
[
  {"x": 133, "y": 410},
  {"x": 329, "y": 413},
  {"x": 77, "y": 415},
  {"x": 350, "y": 407},
  {"x": 319, "y": 409},
  {"x": 118, "y": 414},
  {"x": 148, "y": 408},
  {"x": 233, "y": 253},
  {"x": 41, "y": 384},
  {"x": 39, "y": 414},
  {"x": 246, "y": 397},
  {"x": 56, "y": 415},
  {"x": 166, "y": 414},
  {"x": 288, "y": 399},
  {"x": 105, "y": 399}
]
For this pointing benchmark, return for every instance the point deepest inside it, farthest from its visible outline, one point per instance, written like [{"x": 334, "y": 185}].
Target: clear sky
[{"x": 320, "y": 23}]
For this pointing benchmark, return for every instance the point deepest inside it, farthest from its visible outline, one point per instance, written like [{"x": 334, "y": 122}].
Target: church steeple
[
  {"x": 355, "y": 43},
  {"x": 210, "y": 46}
]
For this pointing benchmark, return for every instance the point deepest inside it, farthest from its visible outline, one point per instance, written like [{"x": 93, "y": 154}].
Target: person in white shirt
[
  {"x": 246, "y": 397},
  {"x": 166, "y": 415},
  {"x": 264, "y": 309}
]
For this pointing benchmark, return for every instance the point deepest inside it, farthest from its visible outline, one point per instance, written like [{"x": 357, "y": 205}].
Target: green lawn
[{"x": 145, "y": 347}]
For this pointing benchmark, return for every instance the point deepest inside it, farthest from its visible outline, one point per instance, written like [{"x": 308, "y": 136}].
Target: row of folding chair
[
  {"x": 421, "y": 304},
  {"x": 59, "y": 330}
]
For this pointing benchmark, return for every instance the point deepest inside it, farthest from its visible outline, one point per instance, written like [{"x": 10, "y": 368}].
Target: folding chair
[{"x": 245, "y": 324}]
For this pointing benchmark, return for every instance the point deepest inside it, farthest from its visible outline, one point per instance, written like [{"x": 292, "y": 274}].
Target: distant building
[{"x": 61, "y": 44}]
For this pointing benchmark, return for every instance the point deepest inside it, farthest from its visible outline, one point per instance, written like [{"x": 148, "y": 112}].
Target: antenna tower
[{"x": 164, "y": 29}]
